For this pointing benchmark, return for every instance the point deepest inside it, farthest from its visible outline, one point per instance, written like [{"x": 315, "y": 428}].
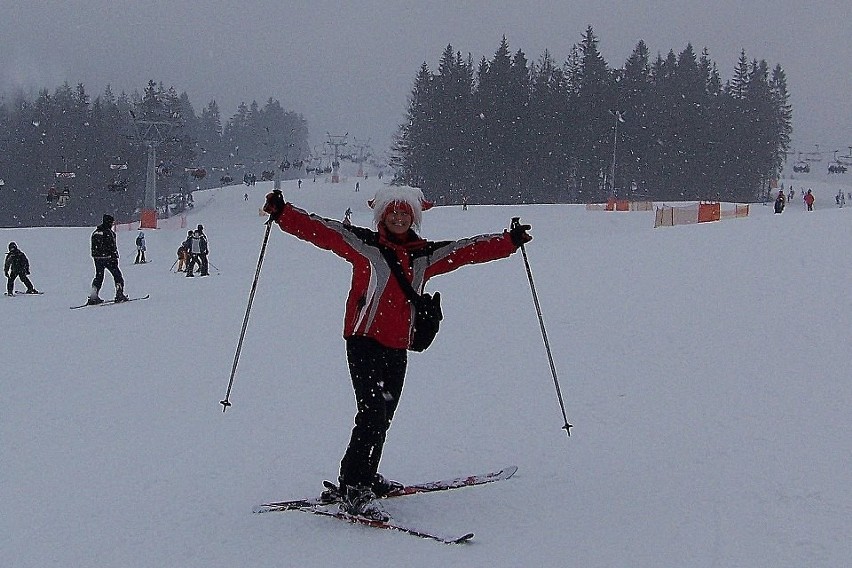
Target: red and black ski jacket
[{"x": 377, "y": 306}]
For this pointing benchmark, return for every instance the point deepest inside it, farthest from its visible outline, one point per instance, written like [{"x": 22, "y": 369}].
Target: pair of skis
[
  {"x": 318, "y": 506},
  {"x": 110, "y": 302}
]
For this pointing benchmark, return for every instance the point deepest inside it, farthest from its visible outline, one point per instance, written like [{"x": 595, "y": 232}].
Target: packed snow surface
[{"x": 705, "y": 368}]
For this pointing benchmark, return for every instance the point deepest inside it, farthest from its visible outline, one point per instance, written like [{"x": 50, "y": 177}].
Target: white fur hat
[{"x": 410, "y": 196}]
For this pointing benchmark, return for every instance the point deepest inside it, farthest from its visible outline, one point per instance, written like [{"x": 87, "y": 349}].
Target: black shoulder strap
[{"x": 396, "y": 269}]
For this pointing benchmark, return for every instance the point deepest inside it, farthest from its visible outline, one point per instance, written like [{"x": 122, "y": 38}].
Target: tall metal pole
[
  {"x": 148, "y": 219},
  {"x": 618, "y": 119}
]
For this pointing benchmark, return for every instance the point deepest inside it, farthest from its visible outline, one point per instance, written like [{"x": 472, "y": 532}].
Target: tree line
[
  {"x": 669, "y": 128},
  {"x": 66, "y": 158}
]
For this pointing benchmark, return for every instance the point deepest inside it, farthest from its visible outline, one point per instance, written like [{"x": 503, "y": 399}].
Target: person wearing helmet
[
  {"x": 17, "y": 265},
  {"x": 379, "y": 317},
  {"x": 105, "y": 256}
]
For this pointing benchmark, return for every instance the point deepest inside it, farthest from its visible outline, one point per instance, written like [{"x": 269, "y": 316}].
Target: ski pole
[
  {"x": 173, "y": 265},
  {"x": 567, "y": 427},
  {"x": 225, "y": 402}
]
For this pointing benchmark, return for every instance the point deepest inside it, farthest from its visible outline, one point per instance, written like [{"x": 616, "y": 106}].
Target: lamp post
[{"x": 618, "y": 118}]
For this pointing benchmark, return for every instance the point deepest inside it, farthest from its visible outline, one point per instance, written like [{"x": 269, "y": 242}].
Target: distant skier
[
  {"x": 17, "y": 265},
  {"x": 779, "y": 202},
  {"x": 379, "y": 316},
  {"x": 183, "y": 252},
  {"x": 205, "y": 266},
  {"x": 809, "y": 200},
  {"x": 140, "y": 248},
  {"x": 193, "y": 247},
  {"x": 105, "y": 256}
]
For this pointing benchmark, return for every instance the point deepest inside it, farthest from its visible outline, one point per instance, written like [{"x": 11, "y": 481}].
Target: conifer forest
[{"x": 499, "y": 131}]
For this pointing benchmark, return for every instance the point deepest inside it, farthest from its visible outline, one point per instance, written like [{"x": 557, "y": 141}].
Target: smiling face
[{"x": 398, "y": 218}]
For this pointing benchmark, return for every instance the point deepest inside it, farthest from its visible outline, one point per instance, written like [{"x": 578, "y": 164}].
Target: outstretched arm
[
  {"x": 483, "y": 248},
  {"x": 328, "y": 234}
]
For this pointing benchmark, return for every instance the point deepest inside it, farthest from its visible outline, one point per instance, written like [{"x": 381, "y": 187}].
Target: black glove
[
  {"x": 274, "y": 204},
  {"x": 519, "y": 235}
]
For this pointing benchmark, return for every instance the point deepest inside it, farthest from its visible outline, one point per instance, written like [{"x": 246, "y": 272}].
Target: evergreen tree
[
  {"x": 595, "y": 101},
  {"x": 634, "y": 102},
  {"x": 782, "y": 117},
  {"x": 412, "y": 146},
  {"x": 548, "y": 147}
]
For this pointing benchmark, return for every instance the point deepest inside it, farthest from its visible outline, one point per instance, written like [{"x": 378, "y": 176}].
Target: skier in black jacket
[
  {"x": 17, "y": 265},
  {"x": 105, "y": 255}
]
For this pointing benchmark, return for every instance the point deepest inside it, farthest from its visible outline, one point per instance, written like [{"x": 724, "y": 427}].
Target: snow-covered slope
[{"x": 705, "y": 369}]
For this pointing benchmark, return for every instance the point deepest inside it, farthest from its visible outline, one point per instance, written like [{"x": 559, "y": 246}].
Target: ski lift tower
[
  {"x": 363, "y": 151},
  {"x": 336, "y": 141},
  {"x": 152, "y": 133}
]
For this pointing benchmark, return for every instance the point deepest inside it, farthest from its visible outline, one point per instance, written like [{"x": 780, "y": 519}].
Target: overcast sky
[{"x": 349, "y": 67}]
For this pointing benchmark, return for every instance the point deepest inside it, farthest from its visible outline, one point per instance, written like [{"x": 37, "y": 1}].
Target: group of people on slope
[
  {"x": 104, "y": 250},
  {"x": 378, "y": 319},
  {"x": 781, "y": 200},
  {"x": 193, "y": 252}
]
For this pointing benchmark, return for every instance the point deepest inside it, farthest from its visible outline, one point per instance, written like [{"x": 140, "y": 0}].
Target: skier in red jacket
[{"x": 378, "y": 320}]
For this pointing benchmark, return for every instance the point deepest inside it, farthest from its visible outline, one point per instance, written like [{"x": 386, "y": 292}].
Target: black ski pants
[
  {"x": 10, "y": 281},
  {"x": 194, "y": 259},
  {"x": 110, "y": 264},
  {"x": 377, "y": 375}
]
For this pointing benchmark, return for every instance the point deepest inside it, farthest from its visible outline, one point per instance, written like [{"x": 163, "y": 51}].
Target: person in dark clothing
[
  {"x": 140, "y": 249},
  {"x": 780, "y": 201},
  {"x": 17, "y": 265},
  {"x": 379, "y": 318},
  {"x": 194, "y": 247},
  {"x": 105, "y": 256},
  {"x": 205, "y": 267}
]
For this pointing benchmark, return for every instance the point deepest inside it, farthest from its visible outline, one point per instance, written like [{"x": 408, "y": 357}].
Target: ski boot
[
  {"x": 360, "y": 501},
  {"x": 383, "y": 487}
]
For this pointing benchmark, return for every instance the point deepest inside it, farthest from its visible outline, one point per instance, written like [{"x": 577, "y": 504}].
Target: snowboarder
[
  {"x": 140, "y": 248},
  {"x": 105, "y": 256},
  {"x": 17, "y": 265},
  {"x": 347, "y": 217},
  {"x": 379, "y": 316},
  {"x": 809, "y": 200}
]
